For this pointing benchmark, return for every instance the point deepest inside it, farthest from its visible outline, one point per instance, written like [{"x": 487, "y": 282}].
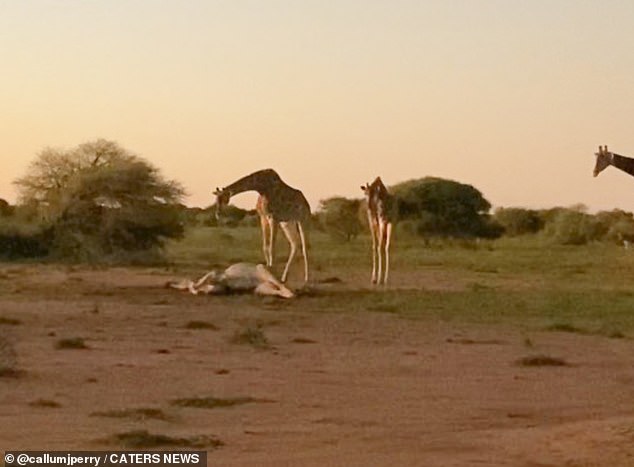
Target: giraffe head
[
  {"x": 222, "y": 199},
  {"x": 374, "y": 190},
  {"x": 604, "y": 158}
]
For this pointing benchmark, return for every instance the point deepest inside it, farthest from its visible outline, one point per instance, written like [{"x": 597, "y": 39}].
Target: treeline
[
  {"x": 438, "y": 208},
  {"x": 560, "y": 225},
  {"x": 99, "y": 202},
  {"x": 568, "y": 226}
]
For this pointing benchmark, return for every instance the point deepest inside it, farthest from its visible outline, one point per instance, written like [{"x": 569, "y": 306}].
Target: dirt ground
[{"x": 328, "y": 389}]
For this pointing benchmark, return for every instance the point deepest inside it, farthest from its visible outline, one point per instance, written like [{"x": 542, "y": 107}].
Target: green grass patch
[{"x": 524, "y": 281}]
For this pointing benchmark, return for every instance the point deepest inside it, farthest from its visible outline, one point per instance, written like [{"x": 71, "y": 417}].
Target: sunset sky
[{"x": 512, "y": 97}]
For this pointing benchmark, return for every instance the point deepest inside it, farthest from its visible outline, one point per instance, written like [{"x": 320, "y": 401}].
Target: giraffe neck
[
  {"x": 261, "y": 181},
  {"x": 626, "y": 164}
]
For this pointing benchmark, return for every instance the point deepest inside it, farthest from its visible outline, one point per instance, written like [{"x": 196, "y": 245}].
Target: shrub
[
  {"x": 518, "y": 221},
  {"x": 571, "y": 227},
  {"x": 339, "y": 217}
]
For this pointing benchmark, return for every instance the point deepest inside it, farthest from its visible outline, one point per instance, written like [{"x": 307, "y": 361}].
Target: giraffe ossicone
[{"x": 606, "y": 158}]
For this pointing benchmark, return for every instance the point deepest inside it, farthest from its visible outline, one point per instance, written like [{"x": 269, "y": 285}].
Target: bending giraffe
[
  {"x": 281, "y": 204},
  {"x": 606, "y": 158},
  {"x": 380, "y": 209}
]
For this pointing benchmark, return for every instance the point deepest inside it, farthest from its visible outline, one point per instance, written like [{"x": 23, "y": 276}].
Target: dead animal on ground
[{"x": 237, "y": 278}]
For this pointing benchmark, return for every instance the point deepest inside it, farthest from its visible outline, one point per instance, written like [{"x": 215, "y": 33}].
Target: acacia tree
[
  {"x": 50, "y": 173},
  {"x": 101, "y": 200}
]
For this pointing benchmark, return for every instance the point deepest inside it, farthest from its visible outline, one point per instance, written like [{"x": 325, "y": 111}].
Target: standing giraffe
[
  {"x": 380, "y": 206},
  {"x": 281, "y": 204},
  {"x": 606, "y": 158}
]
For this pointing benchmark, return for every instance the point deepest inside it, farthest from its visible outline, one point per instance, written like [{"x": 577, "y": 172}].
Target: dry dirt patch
[{"x": 369, "y": 389}]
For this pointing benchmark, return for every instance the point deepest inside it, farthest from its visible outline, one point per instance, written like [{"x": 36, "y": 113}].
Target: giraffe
[
  {"x": 606, "y": 158},
  {"x": 380, "y": 210},
  {"x": 282, "y": 205},
  {"x": 239, "y": 277}
]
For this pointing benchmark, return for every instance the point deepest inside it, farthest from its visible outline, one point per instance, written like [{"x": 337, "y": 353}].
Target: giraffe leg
[
  {"x": 302, "y": 237},
  {"x": 269, "y": 285},
  {"x": 211, "y": 275},
  {"x": 373, "y": 235},
  {"x": 380, "y": 249},
  {"x": 388, "y": 237},
  {"x": 292, "y": 240},
  {"x": 180, "y": 285},
  {"x": 272, "y": 232},
  {"x": 264, "y": 225}
]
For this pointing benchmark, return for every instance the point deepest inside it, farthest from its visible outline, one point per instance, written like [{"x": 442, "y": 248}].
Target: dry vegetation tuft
[
  {"x": 542, "y": 360},
  {"x": 71, "y": 343},
  {"x": 253, "y": 336},
  {"x": 201, "y": 325},
  {"x": 8, "y": 358},
  {"x": 141, "y": 439},
  {"x": 212, "y": 402},
  {"x": 45, "y": 403},
  {"x": 137, "y": 414}
]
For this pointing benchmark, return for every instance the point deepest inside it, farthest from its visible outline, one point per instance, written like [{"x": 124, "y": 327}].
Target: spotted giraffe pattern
[{"x": 280, "y": 204}]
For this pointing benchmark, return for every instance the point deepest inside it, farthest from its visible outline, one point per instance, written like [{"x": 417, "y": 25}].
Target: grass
[
  {"x": 71, "y": 343},
  {"x": 565, "y": 327},
  {"x": 137, "y": 414},
  {"x": 212, "y": 402},
  {"x": 303, "y": 340},
  {"x": 253, "y": 336},
  {"x": 142, "y": 439},
  {"x": 523, "y": 281},
  {"x": 9, "y": 321},
  {"x": 8, "y": 358},
  {"x": 201, "y": 325},
  {"x": 45, "y": 403},
  {"x": 541, "y": 360},
  {"x": 605, "y": 330}
]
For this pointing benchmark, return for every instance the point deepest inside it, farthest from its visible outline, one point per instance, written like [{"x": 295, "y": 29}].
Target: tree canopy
[
  {"x": 100, "y": 199},
  {"x": 444, "y": 207},
  {"x": 340, "y": 217}
]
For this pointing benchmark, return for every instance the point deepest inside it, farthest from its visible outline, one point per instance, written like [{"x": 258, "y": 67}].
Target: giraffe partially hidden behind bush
[
  {"x": 606, "y": 158},
  {"x": 381, "y": 218},
  {"x": 280, "y": 204}
]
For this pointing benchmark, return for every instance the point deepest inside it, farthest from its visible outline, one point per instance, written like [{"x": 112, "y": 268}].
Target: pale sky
[{"x": 510, "y": 96}]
